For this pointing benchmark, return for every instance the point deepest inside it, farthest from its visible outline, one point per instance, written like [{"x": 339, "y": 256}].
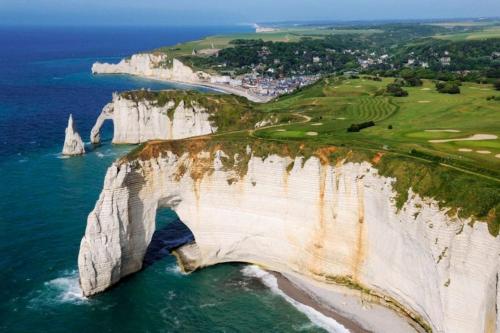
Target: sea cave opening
[{"x": 170, "y": 234}]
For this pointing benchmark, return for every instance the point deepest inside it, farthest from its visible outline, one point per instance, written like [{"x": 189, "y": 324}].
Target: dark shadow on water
[{"x": 166, "y": 239}]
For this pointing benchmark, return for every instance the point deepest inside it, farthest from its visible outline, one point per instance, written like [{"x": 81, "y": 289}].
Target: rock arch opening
[
  {"x": 106, "y": 114},
  {"x": 170, "y": 235}
]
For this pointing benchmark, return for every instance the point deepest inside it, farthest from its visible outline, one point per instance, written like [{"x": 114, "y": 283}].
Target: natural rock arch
[
  {"x": 330, "y": 223},
  {"x": 140, "y": 121},
  {"x": 106, "y": 114}
]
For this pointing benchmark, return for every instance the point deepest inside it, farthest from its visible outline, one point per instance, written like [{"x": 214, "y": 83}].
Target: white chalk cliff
[
  {"x": 331, "y": 223},
  {"x": 152, "y": 66},
  {"x": 73, "y": 144},
  {"x": 140, "y": 121},
  {"x": 156, "y": 66}
]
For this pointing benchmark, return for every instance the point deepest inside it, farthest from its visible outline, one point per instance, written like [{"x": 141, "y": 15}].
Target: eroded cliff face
[
  {"x": 140, "y": 121},
  {"x": 332, "y": 223},
  {"x": 152, "y": 66}
]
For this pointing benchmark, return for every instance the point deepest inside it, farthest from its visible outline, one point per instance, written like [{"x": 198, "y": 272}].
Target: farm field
[{"x": 486, "y": 33}]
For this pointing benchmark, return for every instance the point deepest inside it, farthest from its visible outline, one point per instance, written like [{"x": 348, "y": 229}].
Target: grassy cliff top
[
  {"x": 446, "y": 147},
  {"x": 227, "y": 112}
]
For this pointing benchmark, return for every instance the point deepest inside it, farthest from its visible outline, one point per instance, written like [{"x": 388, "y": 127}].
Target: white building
[
  {"x": 445, "y": 61},
  {"x": 225, "y": 79},
  {"x": 235, "y": 82}
]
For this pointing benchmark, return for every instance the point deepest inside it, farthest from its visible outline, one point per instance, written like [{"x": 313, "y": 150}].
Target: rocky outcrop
[
  {"x": 336, "y": 224},
  {"x": 140, "y": 121},
  {"x": 153, "y": 66},
  {"x": 73, "y": 144}
]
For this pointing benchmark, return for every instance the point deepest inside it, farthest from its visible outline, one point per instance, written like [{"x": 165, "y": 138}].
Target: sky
[{"x": 218, "y": 12}]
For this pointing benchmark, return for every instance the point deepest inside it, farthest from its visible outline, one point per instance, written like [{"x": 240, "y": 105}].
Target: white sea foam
[
  {"x": 61, "y": 156},
  {"x": 314, "y": 316},
  {"x": 64, "y": 289},
  {"x": 174, "y": 269}
]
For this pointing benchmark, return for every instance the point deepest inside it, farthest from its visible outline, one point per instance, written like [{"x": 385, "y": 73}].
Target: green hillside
[{"x": 460, "y": 174}]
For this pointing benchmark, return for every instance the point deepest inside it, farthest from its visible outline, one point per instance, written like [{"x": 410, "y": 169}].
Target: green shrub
[
  {"x": 395, "y": 89},
  {"x": 451, "y": 87},
  {"x": 496, "y": 84},
  {"x": 359, "y": 127}
]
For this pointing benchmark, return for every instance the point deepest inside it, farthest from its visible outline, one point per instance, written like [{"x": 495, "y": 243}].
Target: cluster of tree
[
  {"x": 464, "y": 55},
  {"x": 305, "y": 57},
  {"x": 360, "y": 126},
  {"x": 451, "y": 87},
  {"x": 467, "y": 76},
  {"x": 471, "y": 60},
  {"x": 395, "y": 89}
]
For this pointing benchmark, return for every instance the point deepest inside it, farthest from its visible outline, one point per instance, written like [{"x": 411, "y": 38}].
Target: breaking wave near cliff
[{"x": 64, "y": 289}]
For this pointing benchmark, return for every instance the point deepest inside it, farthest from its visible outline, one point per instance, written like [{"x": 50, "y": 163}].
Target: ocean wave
[
  {"x": 106, "y": 153},
  {"x": 64, "y": 289},
  {"x": 314, "y": 316},
  {"x": 174, "y": 269},
  {"x": 60, "y": 156}
]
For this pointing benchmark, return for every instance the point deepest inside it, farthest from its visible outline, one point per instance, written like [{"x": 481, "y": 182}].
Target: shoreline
[
  {"x": 303, "y": 297},
  {"x": 346, "y": 306},
  {"x": 214, "y": 86}
]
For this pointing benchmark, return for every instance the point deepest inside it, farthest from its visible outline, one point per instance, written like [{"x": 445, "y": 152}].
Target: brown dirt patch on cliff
[{"x": 378, "y": 156}]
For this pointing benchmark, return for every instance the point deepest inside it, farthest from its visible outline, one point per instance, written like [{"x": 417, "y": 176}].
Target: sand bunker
[
  {"x": 465, "y": 150},
  {"x": 484, "y": 152},
  {"x": 443, "y": 130},
  {"x": 357, "y": 87},
  {"x": 341, "y": 118},
  {"x": 497, "y": 155},
  {"x": 312, "y": 133},
  {"x": 426, "y": 89},
  {"x": 424, "y": 102},
  {"x": 317, "y": 124},
  {"x": 475, "y": 137},
  {"x": 281, "y": 130}
]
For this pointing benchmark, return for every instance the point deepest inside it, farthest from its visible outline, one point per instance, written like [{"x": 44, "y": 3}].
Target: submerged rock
[{"x": 73, "y": 144}]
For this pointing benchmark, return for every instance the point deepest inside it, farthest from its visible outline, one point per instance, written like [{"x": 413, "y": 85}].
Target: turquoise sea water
[{"x": 45, "y": 199}]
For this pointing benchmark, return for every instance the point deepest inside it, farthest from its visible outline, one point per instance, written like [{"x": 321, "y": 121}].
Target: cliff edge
[{"x": 323, "y": 215}]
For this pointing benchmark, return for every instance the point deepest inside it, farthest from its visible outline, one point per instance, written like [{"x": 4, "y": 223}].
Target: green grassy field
[
  {"x": 487, "y": 33},
  {"x": 415, "y": 120},
  {"x": 466, "y": 24},
  {"x": 461, "y": 175}
]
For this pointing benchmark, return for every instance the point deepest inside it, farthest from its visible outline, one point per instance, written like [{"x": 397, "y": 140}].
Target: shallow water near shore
[{"x": 45, "y": 200}]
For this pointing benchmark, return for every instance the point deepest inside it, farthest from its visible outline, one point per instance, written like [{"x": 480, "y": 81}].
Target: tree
[
  {"x": 448, "y": 87},
  {"x": 496, "y": 84},
  {"x": 395, "y": 89}
]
